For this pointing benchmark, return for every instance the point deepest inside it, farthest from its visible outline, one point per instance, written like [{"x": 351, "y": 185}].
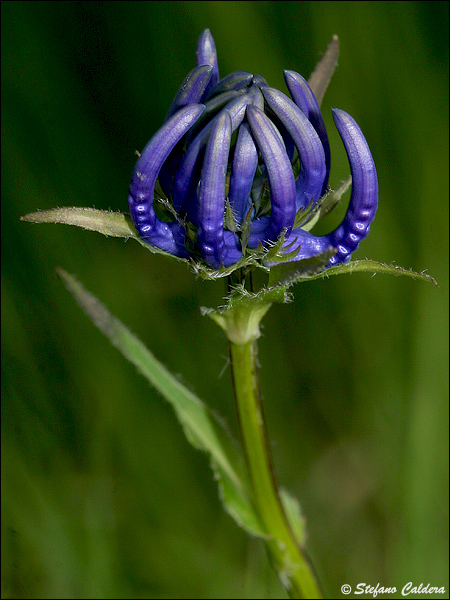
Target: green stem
[{"x": 290, "y": 563}]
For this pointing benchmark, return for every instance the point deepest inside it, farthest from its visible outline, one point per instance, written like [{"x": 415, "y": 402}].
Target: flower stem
[{"x": 288, "y": 559}]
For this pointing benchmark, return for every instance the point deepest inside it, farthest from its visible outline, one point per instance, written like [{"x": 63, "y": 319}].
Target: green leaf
[
  {"x": 108, "y": 223},
  {"x": 365, "y": 266},
  {"x": 201, "y": 428}
]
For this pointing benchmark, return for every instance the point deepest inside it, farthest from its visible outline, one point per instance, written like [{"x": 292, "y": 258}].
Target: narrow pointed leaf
[
  {"x": 365, "y": 266},
  {"x": 202, "y": 430},
  {"x": 333, "y": 197},
  {"x": 110, "y": 224}
]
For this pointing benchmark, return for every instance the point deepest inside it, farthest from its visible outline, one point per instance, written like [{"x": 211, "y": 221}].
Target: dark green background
[{"x": 102, "y": 496}]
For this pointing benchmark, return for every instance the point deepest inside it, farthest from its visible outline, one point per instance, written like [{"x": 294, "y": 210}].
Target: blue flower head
[{"x": 238, "y": 167}]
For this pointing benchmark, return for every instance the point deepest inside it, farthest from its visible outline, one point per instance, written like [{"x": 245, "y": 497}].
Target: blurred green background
[{"x": 102, "y": 497}]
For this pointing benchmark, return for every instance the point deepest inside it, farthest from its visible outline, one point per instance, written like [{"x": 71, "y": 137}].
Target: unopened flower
[{"x": 239, "y": 167}]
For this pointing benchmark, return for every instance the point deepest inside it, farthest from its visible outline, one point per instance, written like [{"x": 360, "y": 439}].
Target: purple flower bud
[{"x": 229, "y": 195}]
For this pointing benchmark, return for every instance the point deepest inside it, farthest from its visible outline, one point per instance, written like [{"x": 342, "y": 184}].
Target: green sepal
[
  {"x": 245, "y": 228},
  {"x": 286, "y": 274},
  {"x": 229, "y": 220},
  {"x": 276, "y": 252},
  {"x": 205, "y": 272},
  {"x": 303, "y": 214},
  {"x": 326, "y": 204},
  {"x": 241, "y": 317}
]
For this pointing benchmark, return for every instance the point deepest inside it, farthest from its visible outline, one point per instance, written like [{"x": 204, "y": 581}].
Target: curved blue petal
[
  {"x": 190, "y": 92},
  {"x": 304, "y": 98},
  {"x": 207, "y": 55},
  {"x": 234, "y": 81},
  {"x": 346, "y": 238},
  {"x": 211, "y": 196},
  {"x": 245, "y": 162},
  {"x": 192, "y": 89},
  {"x": 212, "y": 107},
  {"x": 259, "y": 80},
  {"x": 280, "y": 175},
  {"x": 145, "y": 174},
  {"x": 285, "y": 135},
  {"x": 258, "y": 98},
  {"x": 310, "y": 245},
  {"x": 364, "y": 197},
  {"x": 169, "y": 237},
  {"x": 310, "y": 150},
  {"x": 232, "y": 252}
]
